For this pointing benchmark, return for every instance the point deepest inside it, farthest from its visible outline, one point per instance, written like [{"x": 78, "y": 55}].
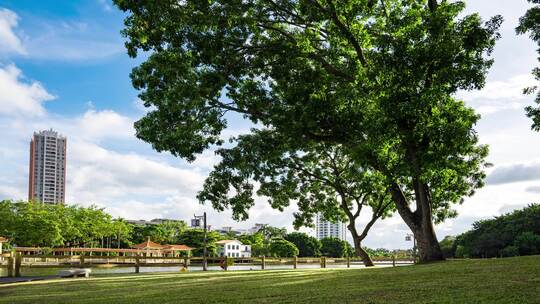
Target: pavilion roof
[
  {"x": 177, "y": 248},
  {"x": 3, "y": 239},
  {"x": 148, "y": 245}
]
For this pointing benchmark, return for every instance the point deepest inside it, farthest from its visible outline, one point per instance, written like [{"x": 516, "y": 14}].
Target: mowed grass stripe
[{"x": 512, "y": 280}]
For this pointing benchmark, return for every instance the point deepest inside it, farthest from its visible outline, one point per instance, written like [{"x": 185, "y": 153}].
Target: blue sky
[
  {"x": 63, "y": 66},
  {"x": 76, "y": 51}
]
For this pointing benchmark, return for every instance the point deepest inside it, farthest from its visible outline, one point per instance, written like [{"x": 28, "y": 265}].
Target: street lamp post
[
  {"x": 408, "y": 238},
  {"x": 197, "y": 219}
]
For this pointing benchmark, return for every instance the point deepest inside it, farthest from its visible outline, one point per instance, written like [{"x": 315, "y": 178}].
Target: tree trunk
[
  {"x": 364, "y": 255},
  {"x": 428, "y": 245},
  {"x": 358, "y": 245},
  {"x": 420, "y": 221}
]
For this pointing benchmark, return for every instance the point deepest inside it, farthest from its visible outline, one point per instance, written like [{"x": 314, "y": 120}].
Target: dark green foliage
[
  {"x": 530, "y": 24},
  {"x": 308, "y": 246},
  {"x": 510, "y": 251},
  {"x": 195, "y": 238},
  {"x": 257, "y": 242},
  {"x": 282, "y": 248},
  {"x": 379, "y": 252},
  {"x": 460, "y": 252},
  {"x": 448, "y": 246},
  {"x": 520, "y": 228},
  {"x": 528, "y": 243},
  {"x": 336, "y": 248},
  {"x": 376, "y": 79}
]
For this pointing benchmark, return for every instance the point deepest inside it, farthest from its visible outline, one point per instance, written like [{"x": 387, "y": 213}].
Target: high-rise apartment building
[
  {"x": 47, "y": 176},
  {"x": 326, "y": 228}
]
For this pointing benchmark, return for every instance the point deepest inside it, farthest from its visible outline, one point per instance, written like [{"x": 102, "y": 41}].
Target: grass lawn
[{"x": 511, "y": 280}]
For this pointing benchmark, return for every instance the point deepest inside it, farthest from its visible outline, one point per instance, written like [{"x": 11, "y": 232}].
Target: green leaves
[
  {"x": 44, "y": 225},
  {"x": 530, "y": 24}
]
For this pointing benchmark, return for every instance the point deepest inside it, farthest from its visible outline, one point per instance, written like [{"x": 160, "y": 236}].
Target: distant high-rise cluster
[
  {"x": 47, "y": 176},
  {"x": 326, "y": 229}
]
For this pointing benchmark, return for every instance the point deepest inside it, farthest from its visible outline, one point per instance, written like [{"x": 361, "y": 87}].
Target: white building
[
  {"x": 326, "y": 229},
  {"x": 2, "y": 240},
  {"x": 47, "y": 174},
  {"x": 233, "y": 249}
]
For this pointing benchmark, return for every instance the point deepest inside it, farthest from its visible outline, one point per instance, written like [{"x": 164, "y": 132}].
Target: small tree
[
  {"x": 282, "y": 248},
  {"x": 308, "y": 246},
  {"x": 335, "y": 248},
  {"x": 322, "y": 179},
  {"x": 195, "y": 238},
  {"x": 528, "y": 243},
  {"x": 448, "y": 246},
  {"x": 257, "y": 242}
]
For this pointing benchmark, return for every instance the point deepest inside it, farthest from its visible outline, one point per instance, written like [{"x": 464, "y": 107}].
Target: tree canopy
[
  {"x": 514, "y": 233},
  {"x": 308, "y": 246},
  {"x": 530, "y": 24},
  {"x": 282, "y": 248},
  {"x": 335, "y": 248},
  {"x": 375, "y": 77},
  {"x": 45, "y": 225}
]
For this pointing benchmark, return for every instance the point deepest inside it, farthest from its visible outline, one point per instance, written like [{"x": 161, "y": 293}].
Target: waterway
[{"x": 45, "y": 271}]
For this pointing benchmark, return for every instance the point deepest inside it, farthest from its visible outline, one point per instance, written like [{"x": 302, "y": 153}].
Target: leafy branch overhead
[{"x": 530, "y": 24}]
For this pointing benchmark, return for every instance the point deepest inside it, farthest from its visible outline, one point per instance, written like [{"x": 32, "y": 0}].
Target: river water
[{"x": 45, "y": 271}]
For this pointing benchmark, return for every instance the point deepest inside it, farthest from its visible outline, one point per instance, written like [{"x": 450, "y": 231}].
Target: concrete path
[{"x": 5, "y": 280}]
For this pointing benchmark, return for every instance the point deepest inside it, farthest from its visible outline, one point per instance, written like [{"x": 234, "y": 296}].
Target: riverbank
[{"x": 511, "y": 280}]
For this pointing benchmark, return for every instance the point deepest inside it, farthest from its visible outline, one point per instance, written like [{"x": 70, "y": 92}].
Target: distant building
[
  {"x": 161, "y": 221},
  {"x": 47, "y": 174},
  {"x": 138, "y": 222},
  {"x": 152, "y": 222},
  {"x": 256, "y": 228},
  {"x": 233, "y": 249},
  {"x": 326, "y": 229},
  {"x": 2, "y": 240},
  {"x": 231, "y": 230}
]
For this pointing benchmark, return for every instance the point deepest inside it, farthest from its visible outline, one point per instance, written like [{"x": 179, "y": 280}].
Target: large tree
[
  {"x": 376, "y": 77},
  {"x": 530, "y": 24}
]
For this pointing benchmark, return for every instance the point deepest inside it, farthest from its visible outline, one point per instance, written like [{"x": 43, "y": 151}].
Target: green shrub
[
  {"x": 282, "y": 248},
  {"x": 460, "y": 252},
  {"x": 447, "y": 246},
  {"x": 510, "y": 251},
  {"x": 528, "y": 243}
]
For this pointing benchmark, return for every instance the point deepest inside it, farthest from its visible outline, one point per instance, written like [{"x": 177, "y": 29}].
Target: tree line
[
  {"x": 33, "y": 224},
  {"x": 511, "y": 234}
]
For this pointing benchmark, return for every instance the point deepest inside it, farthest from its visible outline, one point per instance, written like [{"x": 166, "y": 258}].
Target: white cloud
[
  {"x": 20, "y": 97},
  {"x": 96, "y": 125},
  {"x": 500, "y": 95},
  {"x": 105, "y": 5},
  {"x": 100, "y": 172},
  {"x": 58, "y": 39},
  {"x": 9, "y": 42}
]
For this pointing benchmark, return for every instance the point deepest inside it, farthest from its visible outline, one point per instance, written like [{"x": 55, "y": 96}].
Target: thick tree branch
[
  {"x": 383, "y": 4},
  {"x": 344, "y": 30},
  {"x": 331, "y": 69},
  {"x": 402, "y": 205},
  {"x": 433, "y": 5},
  {"x": 368, "y": 226}
]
